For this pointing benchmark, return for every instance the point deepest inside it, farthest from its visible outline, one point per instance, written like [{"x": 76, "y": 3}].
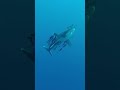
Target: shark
[{"x": 60, "y": 40}]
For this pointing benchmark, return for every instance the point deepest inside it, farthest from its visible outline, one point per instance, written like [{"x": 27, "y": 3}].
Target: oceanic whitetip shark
[{"x": 60, "y": 40}]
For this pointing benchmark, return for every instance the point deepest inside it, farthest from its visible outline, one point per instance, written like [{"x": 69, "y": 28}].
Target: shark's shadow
[{"x": 30, "y": 52}]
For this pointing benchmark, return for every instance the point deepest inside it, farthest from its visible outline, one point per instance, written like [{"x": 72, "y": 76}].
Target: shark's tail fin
[{"x": 48, "y": 50}]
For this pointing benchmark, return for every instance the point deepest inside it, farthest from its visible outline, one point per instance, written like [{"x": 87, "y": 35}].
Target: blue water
[{"x": 64, "y": 70}]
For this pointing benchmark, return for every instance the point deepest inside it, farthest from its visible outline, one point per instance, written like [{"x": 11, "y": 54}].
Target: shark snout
[{"x": 73, "y": 30}]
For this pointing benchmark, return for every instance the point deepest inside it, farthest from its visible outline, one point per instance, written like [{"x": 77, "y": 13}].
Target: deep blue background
[{"x": 64, "y": 70}]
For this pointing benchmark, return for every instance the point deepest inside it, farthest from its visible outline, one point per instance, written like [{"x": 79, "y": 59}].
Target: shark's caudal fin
[{"x": 48, "y": 50}]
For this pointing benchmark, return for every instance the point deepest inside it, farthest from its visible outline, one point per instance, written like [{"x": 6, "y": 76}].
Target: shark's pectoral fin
[
  {"x": 69, "y": 43},
  {"x": 65, "y": 44}
]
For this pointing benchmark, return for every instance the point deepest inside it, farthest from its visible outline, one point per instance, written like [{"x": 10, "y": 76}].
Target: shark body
[{"x": 60, "y": 40}]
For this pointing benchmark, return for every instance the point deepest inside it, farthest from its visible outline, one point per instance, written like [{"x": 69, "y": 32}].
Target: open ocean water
[{"x": 64, "y": 70}]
